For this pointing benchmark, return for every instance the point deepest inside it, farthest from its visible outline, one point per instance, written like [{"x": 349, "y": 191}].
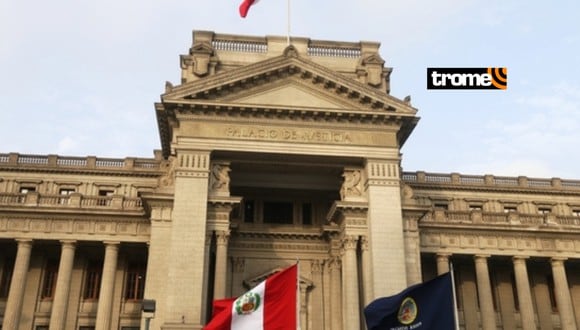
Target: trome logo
[{"x": 467, "y": 78}]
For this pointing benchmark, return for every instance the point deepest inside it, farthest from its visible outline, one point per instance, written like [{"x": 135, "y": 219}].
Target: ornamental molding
[{"x": 499, "y": 243}]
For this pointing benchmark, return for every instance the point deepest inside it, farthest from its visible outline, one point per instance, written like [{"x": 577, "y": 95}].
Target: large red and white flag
[
  {"x": 270, "y": 305},
  {"x": 245, "y": 6}
]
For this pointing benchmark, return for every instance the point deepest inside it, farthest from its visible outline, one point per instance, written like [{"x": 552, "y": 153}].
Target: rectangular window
[
  {"x": 93, "y": 279},
  {"x": 278, "y": 212},
  {"x": 87, "y": 327},
  {"x": 49, "y": 280},
  {"x": 475, "y": 207},
  {"x": 135, "y": 281},
  {"x": 515, "y": 293},
  {"x": 552, "y": 293},
  {"x": 64, "y": 192},
  {"x": 441, "y": 206},
  {"x": 306, "y": 213},
  {"x": 508, "y": 209},
  {"x": 576, "y": 213},
  {"x": 544, "y": 210},
  {"x": 105, "y": 197},
  {"x": 25, "y": 190},
  {"x": 6, "y": 278},
  {"x": 249, "y": 211},
  {"x": 41, "y": 327}
]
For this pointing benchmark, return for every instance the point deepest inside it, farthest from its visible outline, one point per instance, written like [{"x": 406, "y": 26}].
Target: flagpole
[
  {"x": 288, "y": 22},
  {"x": 298, "y": 327},
  {"x": 455, "y": 314}
]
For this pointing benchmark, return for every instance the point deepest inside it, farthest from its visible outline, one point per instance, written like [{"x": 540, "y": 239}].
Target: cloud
[{"x": 544, "y": 136}]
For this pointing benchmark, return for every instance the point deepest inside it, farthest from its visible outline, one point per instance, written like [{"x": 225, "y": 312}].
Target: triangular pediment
[
  {"x": 287, "y": 93},
  {"x": 287, "y": 81}
]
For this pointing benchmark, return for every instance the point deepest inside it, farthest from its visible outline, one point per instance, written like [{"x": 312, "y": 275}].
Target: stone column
[
  {"x": 335, "y": 294},
  {"x": 104, "y": 308},
  {"x": 17, "y": 285},
  {"x": 350, "y": 304},
  {"x": 60, "y": 302},
  {"x": 524, "y": 293},
  {"x": 562, "y": 291},
  {"x": 442, "y": 263},
  {"x": 221, "y": 259},
  {"x": 366, "y": 271},
  {"x": 484, "y": 292}
]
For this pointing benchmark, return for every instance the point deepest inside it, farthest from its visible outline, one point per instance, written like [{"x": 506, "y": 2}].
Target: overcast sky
[{"x": 80, "y": 77}]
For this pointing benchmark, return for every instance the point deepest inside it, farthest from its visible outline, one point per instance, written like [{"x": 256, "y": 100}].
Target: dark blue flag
[{"x": 425, "y": 306}]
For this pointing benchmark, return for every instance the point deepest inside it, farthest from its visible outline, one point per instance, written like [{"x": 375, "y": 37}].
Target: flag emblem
[
  {"x": 248, "y": 303},
  {"x": 407, "y": 311}
]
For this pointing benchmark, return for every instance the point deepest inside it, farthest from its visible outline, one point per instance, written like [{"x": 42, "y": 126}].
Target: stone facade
[{"x": 272, "y": 153}]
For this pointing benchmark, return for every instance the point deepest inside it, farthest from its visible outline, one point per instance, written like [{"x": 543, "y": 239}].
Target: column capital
[
  {"x": 68, "y": 242},
  {"x": 520, "y": 258},
  {"x": 350, "y": 242},
  {"x": 481, "y": 257},
  {"x": 23, "y": 241},
  {"x": 364, "y": 243},
  {"x": 443, "y": 255},
  {"x": 558, "y": 260},
  {"x": 111, "y": 243},
  {"x": 222, "y": 237}
]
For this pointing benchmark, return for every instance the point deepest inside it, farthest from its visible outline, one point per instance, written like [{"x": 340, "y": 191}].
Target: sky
[{"x": 80, "y": 78}]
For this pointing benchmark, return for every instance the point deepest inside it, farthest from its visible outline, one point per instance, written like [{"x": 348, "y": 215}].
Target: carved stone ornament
[
  {"x": 220, "y": 179},
  {"x": 352, "y": 184},
  {"x": 374, "y": 68},
  {"x": 290, "y": 51},
  {"x": 202, "y": 54},
  {"x": 168, "y": 179}
]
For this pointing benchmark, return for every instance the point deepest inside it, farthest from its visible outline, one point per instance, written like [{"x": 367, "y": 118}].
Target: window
[
  {"x": 27, "y": 189},
  {"x": 93, "y": 280},
  {"x": 576, "y": 212},
  {"x": 135, "y": 281},
  {"x": 41, "y": 327},
  {"x": 508, "y": 209},
  {"x": 552, "y": 293},
  {"x": 475, "y": 207},
  {"x": 49, "y": 281},
  {"x": 515, "y": 293},
  {"x": 6, "y": 278},
  {"x": 278, "y": 212},
  {"x": 64, "y": 192},
  {"x": 104, "y": 197},
  {"x": 441, "y": 206},
  {"x": 87, "y": 327},
  {"x": 544, "y": 210},
  {"x": 249, "y": 211},
  {"x": 306, "y": 213}
]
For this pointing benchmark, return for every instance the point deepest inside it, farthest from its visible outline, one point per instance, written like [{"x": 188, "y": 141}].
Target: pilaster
[
  {"x": 385, "y": 226},
  {"x": 184, "y": 294}
]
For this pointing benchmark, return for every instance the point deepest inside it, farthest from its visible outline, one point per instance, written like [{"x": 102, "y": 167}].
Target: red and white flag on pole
[
  {"x": 270, "y": 305},
  {"x": 245, "y": 6}
]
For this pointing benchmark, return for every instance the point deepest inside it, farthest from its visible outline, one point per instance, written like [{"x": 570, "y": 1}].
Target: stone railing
[
  {"x": 330, "y": 51},
  {"x": 14, "y": 159},
  {"x": 240, "y": 46},
  {"x": 512, "y": 218},
  {"x": 490, "y": 180},
  {"x": 74, "y": 200}
]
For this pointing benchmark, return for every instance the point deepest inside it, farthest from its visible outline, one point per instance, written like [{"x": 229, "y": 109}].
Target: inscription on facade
[{"x": 289, "y": 134}]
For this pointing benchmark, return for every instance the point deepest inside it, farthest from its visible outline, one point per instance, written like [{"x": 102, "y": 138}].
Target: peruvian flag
[
  {"x": 245, "y": 6},
  {"x": 270, "y": 305}
]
